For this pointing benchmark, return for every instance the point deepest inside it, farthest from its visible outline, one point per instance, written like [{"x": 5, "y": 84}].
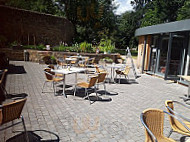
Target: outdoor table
[
  {"x": 188, "y": 80},
  {"x": 113, "y": 67},
  {"x": 72, "y": 70},
  {"x": 68, "y": 60}
]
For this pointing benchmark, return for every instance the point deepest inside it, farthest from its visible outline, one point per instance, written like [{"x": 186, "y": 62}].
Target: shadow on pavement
[
  {"x": 16, "y": 69},
  {"x": 34, "y": 136}
]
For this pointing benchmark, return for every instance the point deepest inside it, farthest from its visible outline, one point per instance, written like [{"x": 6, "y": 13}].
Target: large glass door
[
  {"x": 162, "y": 55},
  {"x": 176, "y": 55},
  {"x": 153, "y": 54}
]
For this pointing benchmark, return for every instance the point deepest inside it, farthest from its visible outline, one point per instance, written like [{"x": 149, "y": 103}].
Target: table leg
[{"x": 63, "y": 93}]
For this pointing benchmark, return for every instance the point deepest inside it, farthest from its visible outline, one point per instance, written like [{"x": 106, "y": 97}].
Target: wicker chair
[
  {"x": 50, "y": 77},
  {"x": 83, "y": 63},
  {"x": 10, "y": 112},
  {"x": 2, "y": 81},
  {"x": 153, "y": 121},
  {"x": 124, "y": 72},
  {"x": 87, "y": 85},
  {"x": 101, "y": 80},
  {"x": 176, "y": 126},
  {"x": 91, "y": 61},
  {"x": 56, "y": 74}
]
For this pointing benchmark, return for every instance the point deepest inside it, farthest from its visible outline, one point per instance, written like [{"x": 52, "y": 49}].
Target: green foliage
[
  {"x": 106, "y": 45},
  {"x": 43, "y": 6},
  {"x": 52, "y": 57},
  {"x": 184, "y": 11},
  {"x": 86, "y": 47}
]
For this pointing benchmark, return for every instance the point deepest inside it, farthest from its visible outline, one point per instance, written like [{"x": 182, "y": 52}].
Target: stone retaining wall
[{"x": 36, "y": 56}]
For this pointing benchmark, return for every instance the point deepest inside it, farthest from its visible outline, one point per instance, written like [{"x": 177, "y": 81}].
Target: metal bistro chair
[
  {"x": 12, "y": 111},
  {"x": 51, "y": 78},
  {"x": 87, "y": 85},
  {"x": 2, "y": 81},
  {"x": 56, "y": 74},
  {"x": 101, "y": 80},
  {"x": 124, "y": 72},
  {"x": 153, "y": 121},
  {"x": 83, "y": 63},
  {"x": 176, "y": 126}
]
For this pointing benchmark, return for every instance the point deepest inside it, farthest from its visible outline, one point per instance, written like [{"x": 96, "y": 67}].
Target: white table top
[
  {"x": 69, "y": 71},
  {"x": 70, "y": 59},
  {"x": 185, "y": 77},
  {"x": 115, "y": 65}
]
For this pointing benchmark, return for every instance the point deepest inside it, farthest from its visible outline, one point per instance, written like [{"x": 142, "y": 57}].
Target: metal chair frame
[
  {"x": 183, "y": 118},
  {"x": 8, "y": 115},
  {"x": 150, "y": 133},
  {"x": 50, "y": 80}
]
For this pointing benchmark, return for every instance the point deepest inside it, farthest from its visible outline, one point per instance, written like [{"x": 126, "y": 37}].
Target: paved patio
[{"x": 74, "y": 119}]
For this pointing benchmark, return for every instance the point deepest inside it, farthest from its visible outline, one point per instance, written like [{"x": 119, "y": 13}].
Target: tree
[
  {"x": 161, "y": 11},
  {"x": 42, "y": 6},
  {"x": 184, "y": 11}
]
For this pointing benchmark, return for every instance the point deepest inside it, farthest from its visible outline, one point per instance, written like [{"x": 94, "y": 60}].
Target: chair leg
[
  {"x": 105, "y": 88},
  {"x": 86, "y": 92},
  {"x": 26, "y": 134},
  {"x": 44, "y": 86},
  {"x": 170, "y": 133},
  {"x": 75, "y": 90},
  {"x": 119, "y": 79},
  {"x": 96, "y": 92},
  {"x": 54, "y": 88}
]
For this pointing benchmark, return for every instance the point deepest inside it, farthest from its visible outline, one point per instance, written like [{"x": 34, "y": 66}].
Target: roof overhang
[{"x": 183, "y": 25}]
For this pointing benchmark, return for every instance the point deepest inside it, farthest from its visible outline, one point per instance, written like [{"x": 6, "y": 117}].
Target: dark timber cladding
[{"x": 183, "y": 25}]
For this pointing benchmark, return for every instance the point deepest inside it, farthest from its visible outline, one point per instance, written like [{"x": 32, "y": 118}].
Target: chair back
[
  {"x": 127, "y": 69},
  {"x": 48, "y": 74},
  {"x": 101, "y": 77},
  {"x": 154, "y": 120},
  {"x": 3, "y": 76},
  {"x": 175, "y": 124},
  {"x": 92, "y": 81},
  {"x": 51, "y": 67},
  {"x": 74, "y": 61},
  {"x": 12, "y": 110},
  {"x": 91, "y": 60}
]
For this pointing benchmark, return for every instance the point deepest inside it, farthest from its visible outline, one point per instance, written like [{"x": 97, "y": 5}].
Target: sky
[{"x": 124, "y": 5}]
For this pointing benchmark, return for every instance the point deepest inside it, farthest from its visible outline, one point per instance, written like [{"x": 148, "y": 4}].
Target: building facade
[{"x": 164, "y": 49}]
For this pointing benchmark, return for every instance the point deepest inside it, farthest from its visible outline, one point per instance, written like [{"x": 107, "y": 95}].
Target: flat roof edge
[{"x": 183, "y": 25}]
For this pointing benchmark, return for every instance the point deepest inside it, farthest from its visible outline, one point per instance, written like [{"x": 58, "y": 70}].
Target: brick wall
[{"x": 33, "y": 28}]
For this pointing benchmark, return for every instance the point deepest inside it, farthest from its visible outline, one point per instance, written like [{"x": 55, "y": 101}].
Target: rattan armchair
[
  {"x": 12, "y": 111},
  {"x": 153, "y": 121},
  {"x": 124, "y": 72},
  {"x": 2, "y": 81},
  {"x": 50, "y": 77},
  {"x": 176, "y": 126},
  {"x": 87, "y": 85}
]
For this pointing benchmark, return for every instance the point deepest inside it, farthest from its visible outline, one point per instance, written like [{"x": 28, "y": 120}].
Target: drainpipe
[{"x": 145, "y": 40}]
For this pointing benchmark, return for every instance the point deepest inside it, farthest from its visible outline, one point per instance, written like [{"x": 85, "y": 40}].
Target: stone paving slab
[{"x": 73, "y": 119}]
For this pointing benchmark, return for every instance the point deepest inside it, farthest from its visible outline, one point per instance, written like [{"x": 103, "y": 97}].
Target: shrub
[
  {"x": 86, "y": 47},
  {"x": 106, "y": 45}
]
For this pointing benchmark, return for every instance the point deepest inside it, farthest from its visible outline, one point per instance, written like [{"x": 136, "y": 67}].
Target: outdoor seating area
[{"x": 61, "y": 112}]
